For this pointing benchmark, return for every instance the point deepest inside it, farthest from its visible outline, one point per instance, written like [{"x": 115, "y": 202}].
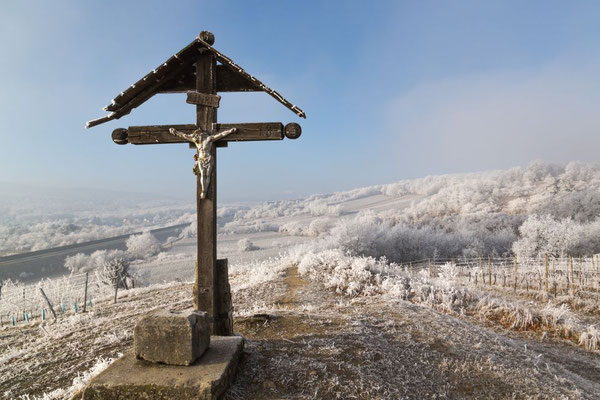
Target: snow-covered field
[{"x": 347, "y": 296}]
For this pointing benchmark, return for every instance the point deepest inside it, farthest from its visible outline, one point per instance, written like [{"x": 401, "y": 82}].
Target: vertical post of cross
[{"x": 205, "y": 274}]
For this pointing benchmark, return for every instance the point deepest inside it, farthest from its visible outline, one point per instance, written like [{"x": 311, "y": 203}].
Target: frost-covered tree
[
  {"x": 142, "y": 246},
  {"x": 115, "y": 272},
  {"x": 543, "y": 235},
  {"x": 77, "y": 263},
  {"x": 85, "y": 263}
]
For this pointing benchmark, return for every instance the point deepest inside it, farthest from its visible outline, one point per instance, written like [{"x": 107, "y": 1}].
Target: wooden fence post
[
  {"x": 85, "y": 292},
  {"x": 546, "y": 274},
  {"x": 515, "y": 263},
  {"x": 49, "y": 304},
  {"x": 572, "y": 274},
  {"x": 116, "y": 289},
  {"x": 580, "y": 272}
]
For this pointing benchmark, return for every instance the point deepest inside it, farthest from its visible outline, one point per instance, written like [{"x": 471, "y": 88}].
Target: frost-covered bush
[
  {"x": 351, "y": 276},
  {"x": 543, "y": 235},
  {"x": 142, "y": 246},
  {"x": 115, "y": 272},
  {"x": 294, "y": 228},
  {"x": 320, "y": 226},
  {"x": 85, "y": 263},
  {"x": 249, "y": 227},
  {"x": 370, "y": 234},
  {"x": 78, "y": 262},
  {"x": 246, "y": 245},
  {"x": 590, "y": 339}
]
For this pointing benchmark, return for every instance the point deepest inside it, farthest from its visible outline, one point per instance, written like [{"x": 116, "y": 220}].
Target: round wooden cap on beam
[
  {"x": 207, "y": 36},
  {"x": 120, "y": 136},
  {"x": 293, "y": 130}
]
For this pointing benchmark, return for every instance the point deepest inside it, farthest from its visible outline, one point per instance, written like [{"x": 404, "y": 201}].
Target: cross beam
[{"x": 158, "y": 134}]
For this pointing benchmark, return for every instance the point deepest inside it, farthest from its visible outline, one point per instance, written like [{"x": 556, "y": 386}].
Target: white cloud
[{"x": 499, "y": 119}]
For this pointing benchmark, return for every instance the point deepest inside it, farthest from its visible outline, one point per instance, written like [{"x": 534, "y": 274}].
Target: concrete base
[{"x": 208, "y": 378}]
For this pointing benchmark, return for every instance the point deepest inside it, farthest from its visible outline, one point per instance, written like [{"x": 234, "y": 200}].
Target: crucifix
[{"x": 201, "y": 71}]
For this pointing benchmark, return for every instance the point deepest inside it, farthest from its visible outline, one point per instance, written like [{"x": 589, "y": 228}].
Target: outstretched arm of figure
[
  {"x": 186, "y": 136},
  {"x": 221, "y": 135}
]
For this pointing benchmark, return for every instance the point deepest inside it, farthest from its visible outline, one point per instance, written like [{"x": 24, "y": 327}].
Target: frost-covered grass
[
  {"x": 348, "y": 325},
  {"x": 443, "y": 290},
  {"x": 79, "y": 383},
  {"x": 64, "y": 293},
  {"x": 56, "y": 358}
]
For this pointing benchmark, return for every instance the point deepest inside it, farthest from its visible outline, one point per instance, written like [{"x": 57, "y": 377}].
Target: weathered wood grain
[
  {"x": 157, "y": 134},
  {"x": 231, "y": 81},
  {"x": 293, "y": 130},
  {"x": 227, "y": 81},
  {"x": 205, "y": 274},
  {"x": 251, "y": 131},
  {"x": 203, "y": 99}
]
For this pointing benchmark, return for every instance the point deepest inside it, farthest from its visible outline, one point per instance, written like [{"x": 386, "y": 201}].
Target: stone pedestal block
[{"x": 172, "y": 337}]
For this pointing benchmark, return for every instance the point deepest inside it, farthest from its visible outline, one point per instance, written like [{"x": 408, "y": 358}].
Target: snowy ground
[{"x": 323, "y": 324}]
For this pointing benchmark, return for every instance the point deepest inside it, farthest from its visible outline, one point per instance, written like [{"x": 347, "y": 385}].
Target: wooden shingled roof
[{"x": 178, "y": 74}]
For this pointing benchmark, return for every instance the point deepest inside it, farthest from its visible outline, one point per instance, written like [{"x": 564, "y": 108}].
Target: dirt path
[{"x": 323, "y": 346}]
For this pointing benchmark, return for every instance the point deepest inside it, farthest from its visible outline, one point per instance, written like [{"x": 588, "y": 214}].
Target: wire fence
[
  {"x": 53, "y": 298},
  {"x": 552, "y": 275}
]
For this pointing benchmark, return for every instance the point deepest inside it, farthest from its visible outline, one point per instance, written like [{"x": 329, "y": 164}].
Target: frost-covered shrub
[
  {"x": 320, "y": 226},
  {"x": 115, "y": 272},
  {"x": 294, "y": 228},
  {"x": 542, "y": 235},
  {"x": 249, "y": 227},
  {"x": 351, "y": 276},
  {"x": 580, "y": 206},
  {"x": 590, "y": 339},
  {"x": 318, "y": 208},
  {"x": 368, "y": 234},
  {"x": 85, "y": 263},
  {"x": 246, "y": 245},
  {"x": 142, "y": 246},
  {"x": 77, "y": 262}
]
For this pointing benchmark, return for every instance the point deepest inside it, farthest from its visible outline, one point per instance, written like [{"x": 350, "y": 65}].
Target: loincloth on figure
[{"x": 202, "y": 163}]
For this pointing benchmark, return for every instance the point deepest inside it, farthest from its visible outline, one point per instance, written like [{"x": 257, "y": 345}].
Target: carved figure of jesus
[{"x": 204, "y": 163}]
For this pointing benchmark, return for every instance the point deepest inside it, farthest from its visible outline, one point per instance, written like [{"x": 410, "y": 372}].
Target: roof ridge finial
[{"x": 207, "y": 37}]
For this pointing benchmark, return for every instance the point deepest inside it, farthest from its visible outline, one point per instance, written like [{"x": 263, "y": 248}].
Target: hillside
[{"x": 379, "y": 292}]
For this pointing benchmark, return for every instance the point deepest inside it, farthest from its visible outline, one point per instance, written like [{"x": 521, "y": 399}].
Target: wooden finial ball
[
  {"x": 120, "y": 136},
  {"x": 293, "y": 130},
  {"x": 207, "y": 36}
]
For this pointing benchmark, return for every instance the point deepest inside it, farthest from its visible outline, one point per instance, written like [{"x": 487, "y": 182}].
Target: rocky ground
[{"x": 306, "y": 342}]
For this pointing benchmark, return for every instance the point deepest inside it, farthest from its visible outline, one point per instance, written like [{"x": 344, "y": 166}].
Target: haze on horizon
[{"x": 392, "y": 91}]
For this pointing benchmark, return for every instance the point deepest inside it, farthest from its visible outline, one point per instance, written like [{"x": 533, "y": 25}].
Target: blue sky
[{"x": 392, "y": 90}]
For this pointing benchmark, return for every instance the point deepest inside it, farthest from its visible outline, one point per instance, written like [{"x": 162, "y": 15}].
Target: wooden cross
[{"x": 176, "y": 76}]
